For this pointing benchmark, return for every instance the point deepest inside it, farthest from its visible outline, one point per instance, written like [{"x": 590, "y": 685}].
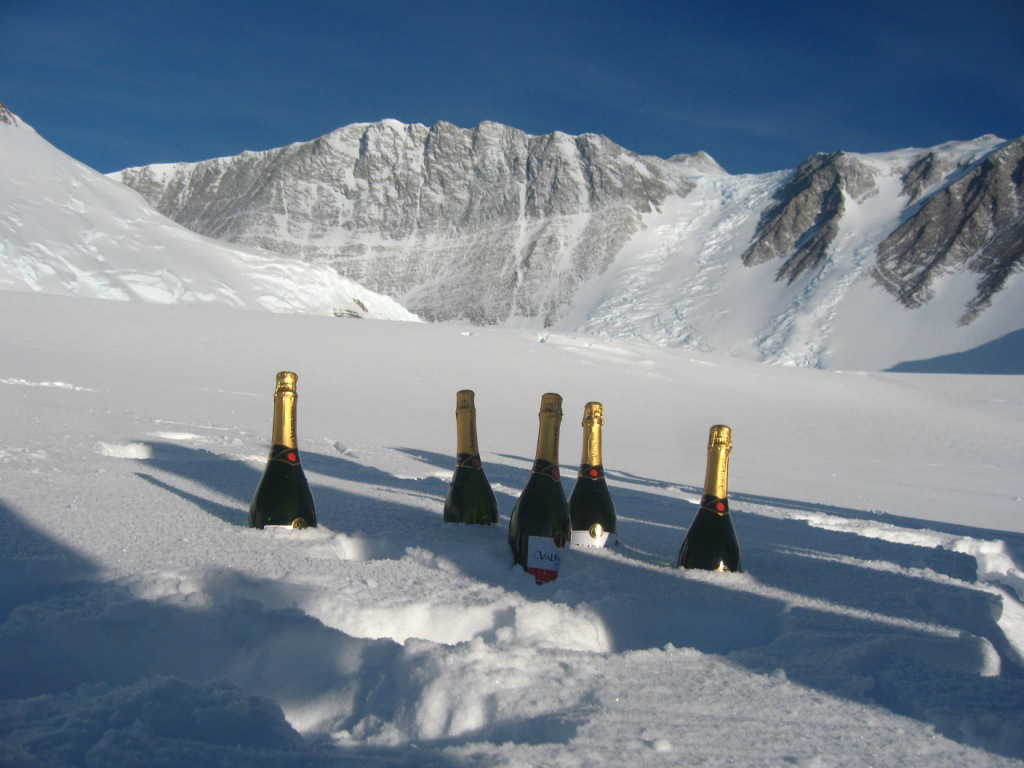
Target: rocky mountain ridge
[
  {"x": 973, "y": 221},
  {"x": 482, "y": 224},
  {"x": 850, "y": 260},
  {"x": 493, "y": 225},
  {"x": 976, "y": 223}
]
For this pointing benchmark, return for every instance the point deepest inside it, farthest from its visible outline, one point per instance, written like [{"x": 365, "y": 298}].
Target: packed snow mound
[{"x": 67, "y": 229}]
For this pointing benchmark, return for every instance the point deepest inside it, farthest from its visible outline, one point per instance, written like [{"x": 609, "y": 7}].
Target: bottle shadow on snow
[
  {"x": 899, "y": 625},
  {"x": 91, "y": 674}
]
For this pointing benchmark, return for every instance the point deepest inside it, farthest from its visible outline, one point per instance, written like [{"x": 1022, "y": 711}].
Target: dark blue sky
[{"x": 758, "y": 85}]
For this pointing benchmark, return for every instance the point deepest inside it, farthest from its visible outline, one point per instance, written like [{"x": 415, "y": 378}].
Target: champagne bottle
[
  {"x": 590, "y": 504},
  {"x": 711, "y": 543},
  {"x": 470, "y": 498},
  {"x": 539, "y": 527},
  {"x": 282, "y": 497}
]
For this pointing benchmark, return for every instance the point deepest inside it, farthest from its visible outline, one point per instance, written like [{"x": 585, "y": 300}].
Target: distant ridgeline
[
  {"x": 491, "y": 223},
  {"x": 6, "y": 116}
]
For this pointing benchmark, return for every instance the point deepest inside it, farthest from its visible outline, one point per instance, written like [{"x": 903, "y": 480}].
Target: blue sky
[{"x": 758, "y": 85}]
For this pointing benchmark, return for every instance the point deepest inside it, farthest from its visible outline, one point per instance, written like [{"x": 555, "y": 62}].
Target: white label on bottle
[
  {"x": 297, "y": 525},
  {"x": 543, "y": 559},
  {"x": 595, "y": 537}
]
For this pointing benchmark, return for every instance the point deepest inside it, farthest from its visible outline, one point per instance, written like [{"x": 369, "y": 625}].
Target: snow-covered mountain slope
[
  {"x": 67, "y": 229},
  {"x": 849, "y": 261},
  {"x": 680, "y": 281},
  {"x": 879, "y": 621},
  {"x": 482, "y": 225}
]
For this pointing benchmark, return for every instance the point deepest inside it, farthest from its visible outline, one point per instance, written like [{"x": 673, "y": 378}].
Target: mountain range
[{"x": 850, "y": 260}]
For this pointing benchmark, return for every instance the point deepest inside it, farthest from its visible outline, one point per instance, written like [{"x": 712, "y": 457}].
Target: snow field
[{"x": 878, "y": 621}]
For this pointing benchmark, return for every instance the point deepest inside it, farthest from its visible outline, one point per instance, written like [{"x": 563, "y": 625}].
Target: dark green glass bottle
[
  {"x": 470, "y": 498},
  {"x": 539, "y": 527},
  {"x": 590, "y": 505},
  {"x": 711, "y": 543},
  {"x": 282, "y": 497}
]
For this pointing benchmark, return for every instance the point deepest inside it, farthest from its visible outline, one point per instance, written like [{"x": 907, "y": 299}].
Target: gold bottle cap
[
  {"x": 286, "y": 381},
  {"x": 550, "y": 403},
  {"x": 594, "y": 413},
  {"x": 464, "y": 400},
  {"x": 720, "y": 437}
]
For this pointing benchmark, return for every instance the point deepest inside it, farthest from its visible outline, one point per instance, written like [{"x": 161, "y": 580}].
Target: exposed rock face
[
  {"x": 976, "y": 222},
  {"x": 924, "y": 172},
  {"x": 973, "y": 222},
  {"x": 802, "y": 224},
  {"x": 6, "y": 116},
  {"x": 481, "y": 224}
]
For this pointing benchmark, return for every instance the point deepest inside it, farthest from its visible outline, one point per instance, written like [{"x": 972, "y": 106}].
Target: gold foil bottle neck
[
  {"x": 286, "y": 381},
  {"x": 720, "y": 437},
  {"x": 593, "y": 413},
  {"x": 716, "y": 480},
  {"x": 465, "y": 400},
  {"x": 465, "y": 422},
  {"x": 550, "y": 420},
  {"x": 593, "y": 420},
  {"x": 285, "y": 399},
  {"x": 551, "y": 405}
]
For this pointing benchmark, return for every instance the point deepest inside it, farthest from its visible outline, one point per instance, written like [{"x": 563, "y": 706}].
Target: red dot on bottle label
[
  {"x": 293, "y": 457},
  {"x": 594, "y": 473},
  {"x": 720, "y": 506}
]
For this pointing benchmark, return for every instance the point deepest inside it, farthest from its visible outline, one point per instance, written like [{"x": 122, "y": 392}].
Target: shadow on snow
[{"x": 897, "y": 625}]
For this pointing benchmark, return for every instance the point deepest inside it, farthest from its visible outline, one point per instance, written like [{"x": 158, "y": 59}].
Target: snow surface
[
  {"x": 66, "y": 229},
  {"x": 142, "y": 623}
]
